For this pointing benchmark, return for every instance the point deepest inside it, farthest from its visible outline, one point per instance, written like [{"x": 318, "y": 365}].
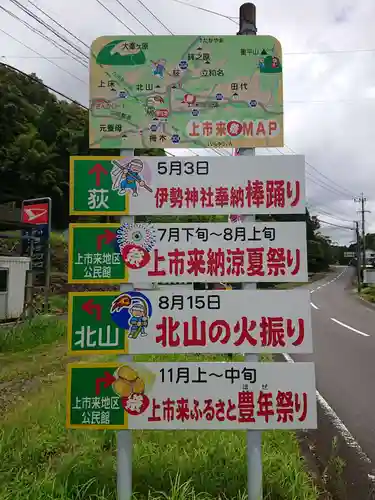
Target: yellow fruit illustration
[
  {"x": 128, "y": 382},
  {"x": 139, "y": 386},
  {"x": 127, "y": 373},
  {"x": 122, "y": 387}
]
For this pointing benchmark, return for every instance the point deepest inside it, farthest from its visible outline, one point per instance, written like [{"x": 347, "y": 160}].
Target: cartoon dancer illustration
[
  {"x": 275, "y": 62},
  {"x": 126, "y": 176},
  {"x": 159, "y": 67},
  {"x": 138, "y": 321}
]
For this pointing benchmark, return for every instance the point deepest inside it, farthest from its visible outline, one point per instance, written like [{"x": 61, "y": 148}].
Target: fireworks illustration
[
  {"x": 136, "y": 242},
  {"x": 141, "y": 235}
]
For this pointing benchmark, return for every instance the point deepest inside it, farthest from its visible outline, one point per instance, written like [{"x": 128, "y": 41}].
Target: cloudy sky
[{"x": 329, "y": 75}]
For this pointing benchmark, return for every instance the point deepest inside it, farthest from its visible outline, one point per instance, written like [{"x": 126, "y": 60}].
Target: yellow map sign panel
[{"x": 186, "y": 91}]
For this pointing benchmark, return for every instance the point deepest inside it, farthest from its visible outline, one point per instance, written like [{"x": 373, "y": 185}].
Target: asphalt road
[{"x": 344, "y": 354}]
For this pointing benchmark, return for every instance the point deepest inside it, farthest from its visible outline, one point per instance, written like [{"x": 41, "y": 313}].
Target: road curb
[{"x": 322, "y": 447}]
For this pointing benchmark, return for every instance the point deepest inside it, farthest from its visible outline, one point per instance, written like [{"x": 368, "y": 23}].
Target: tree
[
  {"x": 370, "y": 241},
  {"x": 319, "y": 253},
  {"x": 38, "y": 135}
]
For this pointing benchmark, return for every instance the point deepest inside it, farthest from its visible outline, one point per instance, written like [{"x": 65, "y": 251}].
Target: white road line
[
  {"x": 349, "y": 327},
  {"x": 329, "y": 282},
  {"x": 314, "y": 306},
  {"x": 337, "y": 423}
]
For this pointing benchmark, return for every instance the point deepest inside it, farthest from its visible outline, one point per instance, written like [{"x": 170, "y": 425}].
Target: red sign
[
  {"x": 35, "y": 214},
  {"x": 189, "y": 99},
  {"x": 162, "y": 113},
  {"x": 104, "y": 104}
]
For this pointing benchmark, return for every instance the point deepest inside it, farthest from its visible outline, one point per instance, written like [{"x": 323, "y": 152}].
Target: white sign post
[
  {"x": 124, "y": 437},
  {"x": 250, "y": 395}
]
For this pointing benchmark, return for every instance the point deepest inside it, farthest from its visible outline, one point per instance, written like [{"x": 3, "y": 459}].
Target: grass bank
[
  {"x": 36, "y": 332},
  {"x": 41, "y": 460},
  {"x": 368, "y": 293}
]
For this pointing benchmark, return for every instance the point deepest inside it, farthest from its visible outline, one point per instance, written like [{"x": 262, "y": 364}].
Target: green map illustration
[{"x": 186, "y": 91}]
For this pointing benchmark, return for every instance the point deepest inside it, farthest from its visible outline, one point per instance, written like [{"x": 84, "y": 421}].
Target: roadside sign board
[
  {"x": 369, "y": 276},
  {"x": 37, "y": 213},
  {"x": 187, "y": 252},
  {"x": 349, "y": 255},
  {"x": 197, "y": 92},
  {"x": 190, "y": 185},
  {"x": 157, "y": 322},
  {"x": 195, "y": 396}
]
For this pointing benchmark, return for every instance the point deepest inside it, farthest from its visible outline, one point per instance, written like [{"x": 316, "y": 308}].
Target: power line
[
  {"x": 44, "y": 36},
  {"x": 219, "y": 152},
  {"x": 318, "y": 205},
  {"x": 47, "y": 26},
  {"x": 324, "y": 185},
  {"x": 339, "y": 187},
  {"x": 315, "y": 180},
  {"x": 155, "y": 17},
  {"x": 30, "y": 77},
  {"x": 231, "y": 18},
  {"x": 323, "y": 175},
  {"x": 7, "y": 56},
  {"x": 307, "y": 53},
  {"x": 58, "y": 24},
  {"x": 335, "y": 225},
  {"x": 319, "y": 211},
  {"x": 114, "y": 15},
  {"x": 44, "y": 57},
  {"x": 134, "y": 17}
]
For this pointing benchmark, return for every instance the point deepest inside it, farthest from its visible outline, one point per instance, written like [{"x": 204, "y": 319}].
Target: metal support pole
[
  {"x": 124, "y": 438},
  {"x": 29, "y": 295},
  {"x": 29, "y": 286},
  {"x": 363, "y": 199},
  {"x": 47, "y": 281},
  {"x": 253, "y": 438}
]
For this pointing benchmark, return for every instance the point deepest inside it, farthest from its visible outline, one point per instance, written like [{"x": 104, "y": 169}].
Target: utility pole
[
  {"x": 247, "y": 26},
  {"x": 362, "y": 200},
  {"x": 358, "y": 252}
]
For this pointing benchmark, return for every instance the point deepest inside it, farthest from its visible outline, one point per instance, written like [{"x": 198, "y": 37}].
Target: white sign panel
[
  {"x": 190, "y": 185},
  {"x": 196, "y": 396},
  {"x": 369, "y": 276},
  {"x": 188, "y": 252},
  {"x": 153, "y": 322},
  {"x": 274, "y": 251}
]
